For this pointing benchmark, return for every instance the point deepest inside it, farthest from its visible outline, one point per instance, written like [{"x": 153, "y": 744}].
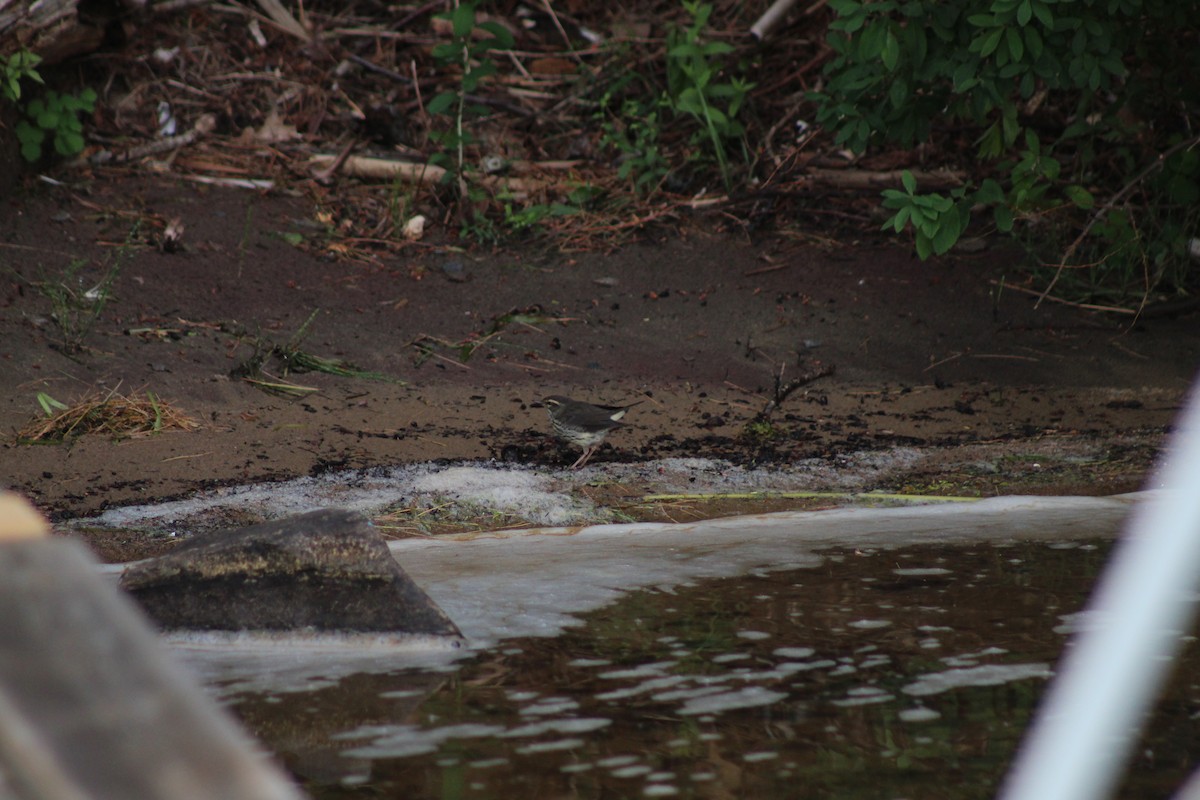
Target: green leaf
[
  {"x": 870, "y": 42},
  {"x": 1050, "y": 167},
  {"x": 1016, "y": 45},
  {"x": 949, "y": 229},
  {"x": 28, "y": 134},
  {"x": 1042, "y": 12},
  {"x": 924, "y": 246},
  {"x": 989, "y": 192},
  {"x": 716, "y": 49},
  {"x": 1024, "y": 13},
  {"x": 49, "y": 404},
  {"x": 463, "y": 20},
  {"x": 989, "y": 43},
  {"x": 446, "y": 53},
  {"x": 1080, "y": 196},
  {"x": 1004, "y": 218},
  {"x": 689, "y": 102},
  {"x": 910, "y": 183},
  {"x": 1032, "y": 143},
  {"x": 1033, "y": 43},
  {"x": 502, "y": 36},
  {"x": 891, "y": 52},
  {"x": 964, "y": 76},
  {"x": 441, "y": 102},
  {"x": 943, "y": 205},
  {"x": 68, "y": 143}
]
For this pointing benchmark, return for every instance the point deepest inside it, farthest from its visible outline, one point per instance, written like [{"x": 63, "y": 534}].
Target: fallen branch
[
  {"x": 891, "y": 179},
  {"x": 205, "y": 125},
  {"x": 378, "y": 168}
]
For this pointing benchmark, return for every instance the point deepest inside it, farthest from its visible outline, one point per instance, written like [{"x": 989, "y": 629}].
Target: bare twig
[
  {"x": 1155, "y": 166},
  {"x": 783, "y": 391},
  {"x": 470, "y": 98},
  {"x": 206, "y": 124},
  {"x": 1043, "y": 296}
]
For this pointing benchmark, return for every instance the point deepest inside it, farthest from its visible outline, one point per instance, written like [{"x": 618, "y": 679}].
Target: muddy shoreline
[{"x": 934, "y": 356}]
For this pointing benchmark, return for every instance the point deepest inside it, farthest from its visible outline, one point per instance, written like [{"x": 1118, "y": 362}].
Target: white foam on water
[
  {"x": 869, "y": 624},
  {"x": 746, "y": 697},
  {"x": 918, "y": 714},
  {"x": 502, "y": 585},
  {"x": 986, "y": 675}
]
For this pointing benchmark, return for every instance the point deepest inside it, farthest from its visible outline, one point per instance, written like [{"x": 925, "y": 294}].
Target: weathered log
[{"x": 54, "y": 29}]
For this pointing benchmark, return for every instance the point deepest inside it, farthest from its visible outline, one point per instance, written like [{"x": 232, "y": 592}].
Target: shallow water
[{"x": 877, "y": 674}]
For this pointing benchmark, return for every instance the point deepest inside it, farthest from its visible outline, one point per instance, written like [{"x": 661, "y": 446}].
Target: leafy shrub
[
  {"x": 635, "y": 108},
  {"x": 694, "y": 88},
  {"x": 471, "y": 55},
  {"x": 1054, "y": 108},
  {"x": 13, "y": 69},
  {"x": 55, "y": 115}
]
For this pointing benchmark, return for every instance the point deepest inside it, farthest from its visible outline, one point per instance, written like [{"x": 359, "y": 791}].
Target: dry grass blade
[{"x": 113, "y": 414}]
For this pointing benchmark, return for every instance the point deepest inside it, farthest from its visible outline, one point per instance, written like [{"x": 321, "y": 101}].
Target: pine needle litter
[{"x": 108, "y": 413}]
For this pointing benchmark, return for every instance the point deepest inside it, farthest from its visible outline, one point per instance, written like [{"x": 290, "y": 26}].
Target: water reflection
[{"x": 879, "y": 674}]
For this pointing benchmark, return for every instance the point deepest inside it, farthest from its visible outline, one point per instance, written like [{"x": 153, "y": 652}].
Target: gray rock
[{"x": 326, "y": 571}]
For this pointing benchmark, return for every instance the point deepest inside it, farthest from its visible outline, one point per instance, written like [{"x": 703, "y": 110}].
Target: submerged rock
[{"x": 326, "y": 571}]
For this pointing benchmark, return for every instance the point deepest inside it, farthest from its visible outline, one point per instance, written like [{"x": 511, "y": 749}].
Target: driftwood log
[
  {"x": 61, "y": 29},
  {"x": 54, "y": 29}
]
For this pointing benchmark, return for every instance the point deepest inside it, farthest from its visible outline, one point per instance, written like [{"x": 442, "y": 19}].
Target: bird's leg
[{"x": 583, "y": 459}]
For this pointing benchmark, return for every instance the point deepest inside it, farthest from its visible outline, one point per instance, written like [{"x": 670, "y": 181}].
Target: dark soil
[
  {"x": 682, "y": 300},
  {"x": 699, "y": 326}
]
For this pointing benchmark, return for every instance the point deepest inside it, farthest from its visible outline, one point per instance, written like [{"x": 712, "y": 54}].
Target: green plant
[
  {"x": 76, "y": 310},
  {"x": 470, "y": 55},
  {"x": 694, "y": 88},
  {"x": 634, "y": 134},
  {"x": 49, "y": 404},
  {"x": 936, "y": 220},
  {"x": 1044, "y": 90},
  {"x": 527, "y": 218},
  {"x": 13, "y": 69},
  {"x": 58, "y": 115}
]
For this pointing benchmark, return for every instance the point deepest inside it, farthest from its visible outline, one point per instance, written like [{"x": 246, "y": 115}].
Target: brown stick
[{"x": 867, "y": 179}]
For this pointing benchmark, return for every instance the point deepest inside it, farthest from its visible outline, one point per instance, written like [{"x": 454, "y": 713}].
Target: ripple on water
[{"x": 659, "y": 695}]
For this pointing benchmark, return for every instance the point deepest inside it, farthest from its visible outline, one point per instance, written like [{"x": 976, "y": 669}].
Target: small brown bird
[{"x": 583, "y": 424}]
